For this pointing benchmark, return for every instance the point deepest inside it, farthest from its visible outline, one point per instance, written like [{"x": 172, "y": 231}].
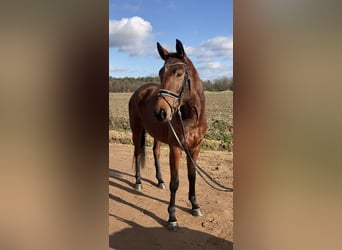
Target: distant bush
[
  {"x": 130, "y": 84},
  {"x": 220, "y": 84}
]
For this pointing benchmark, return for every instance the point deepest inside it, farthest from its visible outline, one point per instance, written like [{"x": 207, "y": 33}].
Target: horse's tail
[{"x": 140, "y": 157}]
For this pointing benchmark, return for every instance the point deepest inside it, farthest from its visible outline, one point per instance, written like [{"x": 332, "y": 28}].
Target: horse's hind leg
[
  {"x": 156, "y": 155},
  {"x": 137, "y": 185},
  {"x": 192, "y": 181},
  {"x": 139, "y": 154}
]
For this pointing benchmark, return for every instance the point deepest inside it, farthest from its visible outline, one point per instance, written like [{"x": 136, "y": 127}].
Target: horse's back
[
  {"x": 143, "y": 94},
  {"x": 141, "y": 99}
]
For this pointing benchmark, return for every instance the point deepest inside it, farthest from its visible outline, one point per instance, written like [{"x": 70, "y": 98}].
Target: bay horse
[{"x": 153, "y": 106}]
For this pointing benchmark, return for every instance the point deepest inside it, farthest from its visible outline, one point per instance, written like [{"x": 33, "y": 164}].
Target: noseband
[{"x": 178, "y": 97}]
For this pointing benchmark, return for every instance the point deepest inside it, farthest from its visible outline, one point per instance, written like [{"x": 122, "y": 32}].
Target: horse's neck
[{"x": 195, "y": 100}]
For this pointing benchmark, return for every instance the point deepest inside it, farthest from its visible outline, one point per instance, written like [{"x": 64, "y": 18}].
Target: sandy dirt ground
[{"x": 138, "y": 219}]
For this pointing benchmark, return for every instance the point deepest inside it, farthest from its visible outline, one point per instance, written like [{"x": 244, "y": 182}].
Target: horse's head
[{"x": 174, "y": 78}]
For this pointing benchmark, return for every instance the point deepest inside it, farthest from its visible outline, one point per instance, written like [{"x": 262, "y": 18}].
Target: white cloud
[
  {"x": 219, "y": 46},
  {"x": 117, "y": 69},
  {"x": 133, "y": 35},
  {"x": 215, "y": 66},
  {"x": 212, "y": 57},
  {"x": 212, "y": 70}
]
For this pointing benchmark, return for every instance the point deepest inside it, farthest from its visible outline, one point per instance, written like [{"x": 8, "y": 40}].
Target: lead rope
[{"x": 199, "y": 170}]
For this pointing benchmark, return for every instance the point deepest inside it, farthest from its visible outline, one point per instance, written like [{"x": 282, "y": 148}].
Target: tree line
[{"x": 130, "y": 84}]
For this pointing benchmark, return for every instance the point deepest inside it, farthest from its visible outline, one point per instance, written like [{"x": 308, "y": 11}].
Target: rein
[
  {"x": 199, "y": 170},
  {"x": 178, "y": 97}
]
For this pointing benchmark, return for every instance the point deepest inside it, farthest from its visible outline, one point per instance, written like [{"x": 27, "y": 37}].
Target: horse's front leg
[
  {"x": 139, "y": 154},
  {"x": 156, "y": 155},
  {"x": 192, "y": 181},
  {"x": 175, "y": 154}
]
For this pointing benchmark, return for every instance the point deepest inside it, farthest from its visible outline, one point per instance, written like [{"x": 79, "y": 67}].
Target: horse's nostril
[{"x": 161, "y": 116}]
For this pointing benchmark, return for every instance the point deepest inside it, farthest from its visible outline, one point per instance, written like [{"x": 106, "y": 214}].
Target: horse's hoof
[
  {"x": 172, "y": 226},
  {"x": 161, "y": 185},
  {"x": 196, "y": 212},
  {"x": 138, "y": 186}
]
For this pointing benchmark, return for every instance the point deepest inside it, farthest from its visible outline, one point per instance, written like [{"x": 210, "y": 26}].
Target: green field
[{"x": 219, "y": 110}]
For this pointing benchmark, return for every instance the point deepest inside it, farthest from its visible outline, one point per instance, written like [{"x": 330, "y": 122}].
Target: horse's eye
[{"x": 179, "y": 74}]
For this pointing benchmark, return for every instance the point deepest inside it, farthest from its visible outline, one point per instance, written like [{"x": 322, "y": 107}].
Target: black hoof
[
  {"x": 196, "y": 212},
  {"x": 138, "y": 186},
  {"x": 161, "y": 185},
  {"x": 172, "y": 226}
]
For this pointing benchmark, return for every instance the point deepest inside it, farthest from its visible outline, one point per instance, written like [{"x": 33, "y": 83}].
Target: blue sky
[{"x": 204, "y": 27}]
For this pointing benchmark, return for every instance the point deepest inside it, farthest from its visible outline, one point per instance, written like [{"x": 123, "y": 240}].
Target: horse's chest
[{"x": 194, "y": 137}]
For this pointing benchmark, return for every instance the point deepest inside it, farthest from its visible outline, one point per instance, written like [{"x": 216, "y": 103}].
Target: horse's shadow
[
  {"x": 116, "y": 174},
  {"x": 128, "y": 187},
  {"x": 139, "y": 237}
]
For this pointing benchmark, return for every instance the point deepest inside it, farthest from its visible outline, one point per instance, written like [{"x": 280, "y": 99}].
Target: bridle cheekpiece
[{"x": 178, "y": 97}]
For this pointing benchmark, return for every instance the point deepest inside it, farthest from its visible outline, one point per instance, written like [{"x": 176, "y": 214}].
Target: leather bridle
[{"x": 176, "y": 96}]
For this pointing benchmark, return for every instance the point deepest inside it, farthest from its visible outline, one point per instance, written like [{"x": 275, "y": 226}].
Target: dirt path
[{"x": 137, "y": 219}]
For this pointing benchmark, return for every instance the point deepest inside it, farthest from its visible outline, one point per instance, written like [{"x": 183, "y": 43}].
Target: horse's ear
[
  {"x": 180, "y": 49},
  {"x": 162, "y": 52}
]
